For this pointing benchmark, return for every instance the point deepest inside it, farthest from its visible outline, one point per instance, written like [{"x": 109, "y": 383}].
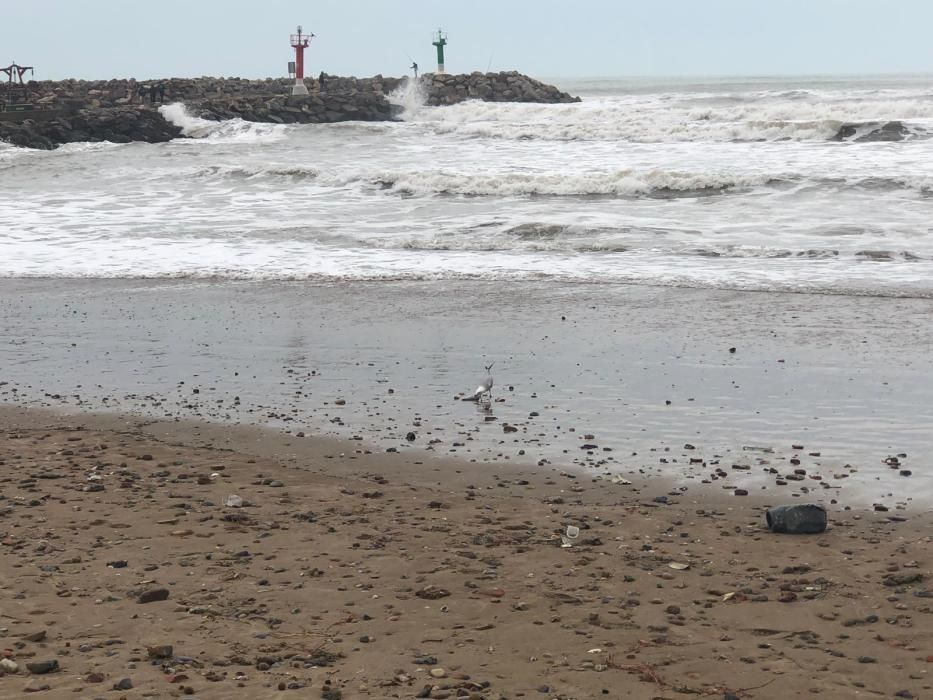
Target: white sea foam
[
  {"x": 618, "y": 183},
  {"x": 190, "y": 125},
  {"x": 650, "y": 119},
  {"x": 178, "y": 258},
  {"x": 410, "y": 96},
  {"x": 736, "y": 188},
  {"x": 630, "y": 182},
  {"x": 214, "y": 131}
]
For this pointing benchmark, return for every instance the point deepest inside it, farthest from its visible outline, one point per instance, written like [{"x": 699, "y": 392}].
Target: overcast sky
[{"x": 545, "y": 38}]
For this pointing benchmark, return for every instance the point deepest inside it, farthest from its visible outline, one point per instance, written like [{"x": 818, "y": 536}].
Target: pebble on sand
[
  {"x": 153, "y": 595},
  {"x": 40, "y": 667}
]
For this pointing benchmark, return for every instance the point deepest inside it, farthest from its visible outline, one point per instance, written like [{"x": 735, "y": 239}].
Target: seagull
[{"x": 484, "y": 390}]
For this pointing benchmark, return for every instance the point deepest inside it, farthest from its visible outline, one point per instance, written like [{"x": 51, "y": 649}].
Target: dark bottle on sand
[{"x": 802, "y": 519}]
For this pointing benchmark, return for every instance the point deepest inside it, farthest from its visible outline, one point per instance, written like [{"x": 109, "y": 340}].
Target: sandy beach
[
  {"x": 263, "y": 490},
  {"x": 350, "y": 574}
]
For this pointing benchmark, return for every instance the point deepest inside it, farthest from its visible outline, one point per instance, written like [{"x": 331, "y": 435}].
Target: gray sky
[{"x": 545, "y": 38}]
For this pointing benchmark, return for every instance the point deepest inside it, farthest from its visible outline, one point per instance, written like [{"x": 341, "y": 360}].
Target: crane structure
[{"x": 15, "y": 85}]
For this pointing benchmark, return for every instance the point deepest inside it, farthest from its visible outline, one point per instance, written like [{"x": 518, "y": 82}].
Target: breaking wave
[
  {"x": 630, "y": 182},
  {"x": 620, "y": 183},
  {"x": 222, "y": 131},
  {"x": 839, "y": 287},
  {"x": 221, "y": 172},
  {"x": 409, "y": 97},
  {"x": 644, "y": 119}
]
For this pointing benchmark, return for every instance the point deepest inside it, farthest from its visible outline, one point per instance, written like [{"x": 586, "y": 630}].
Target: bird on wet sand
[{"x": 483, "y": 392}]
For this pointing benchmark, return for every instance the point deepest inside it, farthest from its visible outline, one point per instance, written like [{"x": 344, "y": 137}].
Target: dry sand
[{"x": 355, "y": 575}]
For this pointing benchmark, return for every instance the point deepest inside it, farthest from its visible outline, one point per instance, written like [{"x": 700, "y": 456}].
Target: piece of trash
[
  {"x": 755, "y": 448},
  {"x": 619, "y": 480},
  {"x": 728, "y": 596},
  {"x": 233, "y": 501},
  {"x": 678, "y": 566},
  {"x": 597, "y": 650},
  {"x": 798, "y": 519},
  {"x": 573, "y": 532},
  {"x": 492, "y": 592}
]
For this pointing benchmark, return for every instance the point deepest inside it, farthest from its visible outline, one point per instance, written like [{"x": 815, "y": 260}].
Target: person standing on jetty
[
  {"x": 152, "y": 94},
  {"x": 414, "y": 67},
  {"x": 320, "y": 82},
  {"x": 162, "y": 92}
]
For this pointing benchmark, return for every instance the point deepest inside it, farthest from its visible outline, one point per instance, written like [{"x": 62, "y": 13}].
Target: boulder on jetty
[
  {"x": 121, "y": 110},
  {"x": 310, "y": 109},
  {"x": 445, "y": 89},
  {"x": 114, "y": 124}
]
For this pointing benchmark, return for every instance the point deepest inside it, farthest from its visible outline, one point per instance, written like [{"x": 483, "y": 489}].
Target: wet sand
[
  {"x": 395, "y": 575},
  {"x": 777, "y": 383}
]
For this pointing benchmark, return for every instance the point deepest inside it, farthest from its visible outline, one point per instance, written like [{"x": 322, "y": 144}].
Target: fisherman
[
  {"x": 414, "y": 67},
  {"x": 162, "y": 92},
  {"x": 152, "y": 93},
  {"x": 320, "y": 81}
]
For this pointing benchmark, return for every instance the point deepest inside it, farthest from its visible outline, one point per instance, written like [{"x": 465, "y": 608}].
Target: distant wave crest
[
  {"x": 646, "y": 119},
  {"x": 628, "y": 182}
]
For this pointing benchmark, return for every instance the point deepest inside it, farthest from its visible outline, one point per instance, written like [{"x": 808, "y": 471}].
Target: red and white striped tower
[{"x": 300, "y": 42}]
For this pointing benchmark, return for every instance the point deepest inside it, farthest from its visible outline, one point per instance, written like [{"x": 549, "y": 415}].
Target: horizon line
[{"x": 591, "y": 77}]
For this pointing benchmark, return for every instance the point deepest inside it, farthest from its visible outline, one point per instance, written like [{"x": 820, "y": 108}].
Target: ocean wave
[
  {"x": 410, "y": 97},
  {"x": 631, "y": 182},
  {"x": 225, "y": 131},
  {"x": 222, "y": 172},
  {"x": 556, "y": 238},
  {"x": 830, "y": 288},
  {"x": 795, "y": 115},
  {"x": 651, "y": 119},
  {"x": 620, "y": 183},
  {"x": 659, "y": 184},
  {"x": 545, "y": 237}
]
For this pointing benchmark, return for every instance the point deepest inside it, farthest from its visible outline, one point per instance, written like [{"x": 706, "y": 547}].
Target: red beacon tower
[{"x": 300, "y": 42}]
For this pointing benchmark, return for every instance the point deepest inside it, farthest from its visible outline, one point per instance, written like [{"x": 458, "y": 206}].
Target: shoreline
[
  {"x": 365, "y": 573},
  {"x": 819, "y": 394}
]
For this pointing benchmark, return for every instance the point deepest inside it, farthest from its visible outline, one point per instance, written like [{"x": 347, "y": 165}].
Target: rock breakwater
[
  {"x": 126, "y": 110},
  {"x": 445, "y": 89},
  {"x": 114, "y": 124}
]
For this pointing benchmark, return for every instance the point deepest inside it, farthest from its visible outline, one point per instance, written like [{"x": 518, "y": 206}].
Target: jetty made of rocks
[{"x": 121, "y": 111}]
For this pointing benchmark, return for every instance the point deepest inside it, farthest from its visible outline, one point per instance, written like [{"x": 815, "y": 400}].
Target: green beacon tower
[{"x": 440, "y": 41}]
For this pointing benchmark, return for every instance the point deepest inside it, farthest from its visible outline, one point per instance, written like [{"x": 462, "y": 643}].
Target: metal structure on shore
[
  {"x": 300, "y": 42},
  {"x": 15, "y": 87},
  {"x": 440, "y": 41}
]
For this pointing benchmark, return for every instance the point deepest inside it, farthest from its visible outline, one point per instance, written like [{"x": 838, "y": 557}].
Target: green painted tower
[{"x": 440, "y": 41}]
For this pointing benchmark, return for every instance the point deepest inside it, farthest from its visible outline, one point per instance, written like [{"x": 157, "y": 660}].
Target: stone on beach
[{"x": 153, "y": 595}]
